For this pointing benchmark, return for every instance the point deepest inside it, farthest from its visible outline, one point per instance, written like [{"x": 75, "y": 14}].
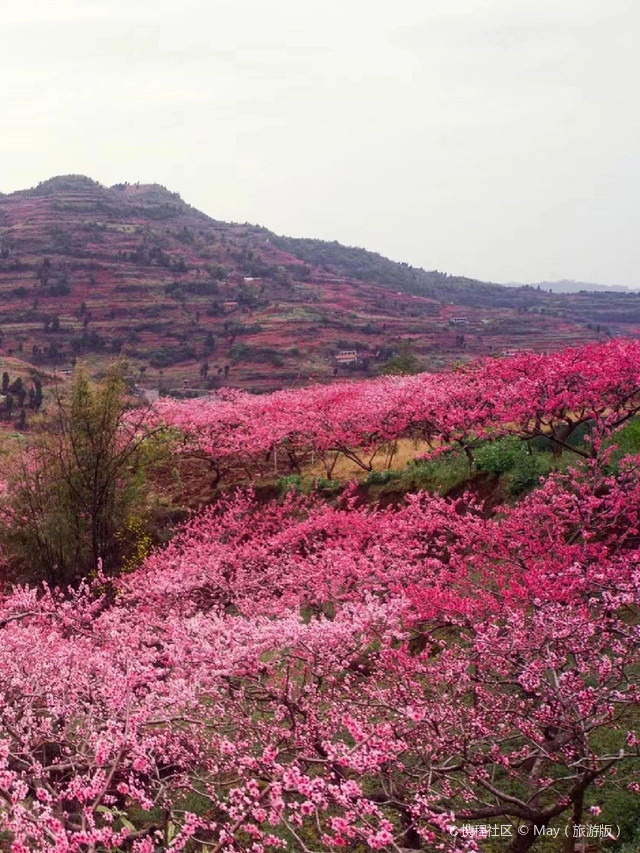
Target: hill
[
  {"x": 88, "y": 272},
  {"x": 568, "y": 285}
]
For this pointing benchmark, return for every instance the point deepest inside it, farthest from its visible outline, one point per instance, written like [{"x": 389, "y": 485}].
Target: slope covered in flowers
[
  {"x": 528, "y": 395},
  {"x": 88, "y": 271},
  {"x": 303, "y": 676}
]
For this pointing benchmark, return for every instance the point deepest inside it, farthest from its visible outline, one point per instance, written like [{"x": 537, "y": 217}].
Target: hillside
[
  {"x": 458, "y": 626},
  {"x": 88, "y": 272}
]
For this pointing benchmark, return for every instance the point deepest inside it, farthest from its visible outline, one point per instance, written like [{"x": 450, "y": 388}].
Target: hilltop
[{"x": 88, "y": 272}]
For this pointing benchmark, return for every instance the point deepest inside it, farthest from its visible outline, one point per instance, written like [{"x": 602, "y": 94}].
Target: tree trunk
[
  {"x": 525, "y": 841},
  {"x": 576, "y": 820},
  {"x": 469, "y": 454}
]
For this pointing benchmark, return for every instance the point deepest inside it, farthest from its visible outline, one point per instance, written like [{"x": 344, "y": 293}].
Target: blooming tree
[
  {"x": 331, "y": 676},
  {"x": 302, "y": 676},
  {"x": 245, "y": 436}
]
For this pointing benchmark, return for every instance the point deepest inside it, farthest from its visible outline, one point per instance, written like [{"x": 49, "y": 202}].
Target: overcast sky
[{"x": 493, "y": 138}]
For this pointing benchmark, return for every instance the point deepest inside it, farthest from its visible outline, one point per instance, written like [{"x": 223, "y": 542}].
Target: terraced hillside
[{"x": 88, "y": 272}]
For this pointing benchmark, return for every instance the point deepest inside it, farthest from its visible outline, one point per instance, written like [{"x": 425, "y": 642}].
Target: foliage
[
  {"x": 525, "y": 473},
  {"x": 497, "y": 457},
  {"x": 626, "y": 440},
  {"x": 440, "y": 474},
  {"x": 512, "y": 456},
  {"x": 243, "y": 352},
  {"x": 305, "y": 485},
  {"x": 403, "y": 363},
  {"x": 75, "y": 489},
  {"x": 381, "y": 478},
  {"x": 289, "y": 483}
]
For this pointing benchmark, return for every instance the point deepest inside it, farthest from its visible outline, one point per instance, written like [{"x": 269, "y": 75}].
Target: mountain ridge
[
  {"x": 570, "y": 285},
  {"x": 88, "y": 272}
]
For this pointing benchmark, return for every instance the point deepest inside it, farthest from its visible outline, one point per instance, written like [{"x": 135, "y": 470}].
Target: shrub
[
  {"x": 440, "y": 474},
  {"x": 76, "y": 494},
  {"x": 626, "y": 440},
  {"x": 322, "y": 483},
  {"x": 525, "y": 474},
  {"x": 289, "y": 483},
  {"x": 381, "y": 478},
  {"x": 500, "y": 456},
  {"x": 197, "y": 288},
  {"x": 242, "y": 352},
  {"x": 60, "y": 289}
]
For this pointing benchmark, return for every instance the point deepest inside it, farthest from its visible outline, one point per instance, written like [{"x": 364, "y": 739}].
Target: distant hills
[
  {"x": 89, "y": 272},
  {"x": 566, "y": 285}
]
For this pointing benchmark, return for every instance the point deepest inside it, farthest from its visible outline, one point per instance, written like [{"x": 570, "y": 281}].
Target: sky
[{"x": 497, "y": 139}]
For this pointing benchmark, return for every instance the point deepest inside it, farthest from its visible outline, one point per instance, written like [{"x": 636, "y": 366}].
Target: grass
[
  {"x": 627, "y": 440},
  {"x": 306, "y": 485},
  {"x": 441, "y": 474}
]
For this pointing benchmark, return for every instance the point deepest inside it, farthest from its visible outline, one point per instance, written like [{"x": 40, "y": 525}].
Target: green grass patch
[{"x": 306, "y": 485}]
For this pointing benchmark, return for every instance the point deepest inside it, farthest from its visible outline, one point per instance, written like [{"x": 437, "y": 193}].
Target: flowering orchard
[
  {"x": 246, "y": 436},
  {"x": 311, "y": 677}
]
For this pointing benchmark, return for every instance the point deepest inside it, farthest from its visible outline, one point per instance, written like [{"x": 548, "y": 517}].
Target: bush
[
  {"x": 289, "y": 483},
  {"x": 295, "y": 483},
  {"x": 60, "y": 289},
  {"x": 197, "y": 288},
  {"x": 525, "y": 473},
  {"x": 76, "y": 495},
  {"x": 627, "y": 439},
  {"x": 242, "y": 352},
  {"x": 440, "y": 474},
  {"x": 322, "y": 483},
  {"x": 515, "y": 458},
  {"x": 500, "y": 456},
  {"x": 381, "y": 478}
]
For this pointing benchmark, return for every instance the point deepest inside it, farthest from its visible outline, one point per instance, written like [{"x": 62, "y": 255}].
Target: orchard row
[{"x": 248, "y": 436}]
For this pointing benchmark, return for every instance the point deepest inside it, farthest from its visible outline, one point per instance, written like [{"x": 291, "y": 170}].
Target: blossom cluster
[{"x": 527, "y": 395}]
